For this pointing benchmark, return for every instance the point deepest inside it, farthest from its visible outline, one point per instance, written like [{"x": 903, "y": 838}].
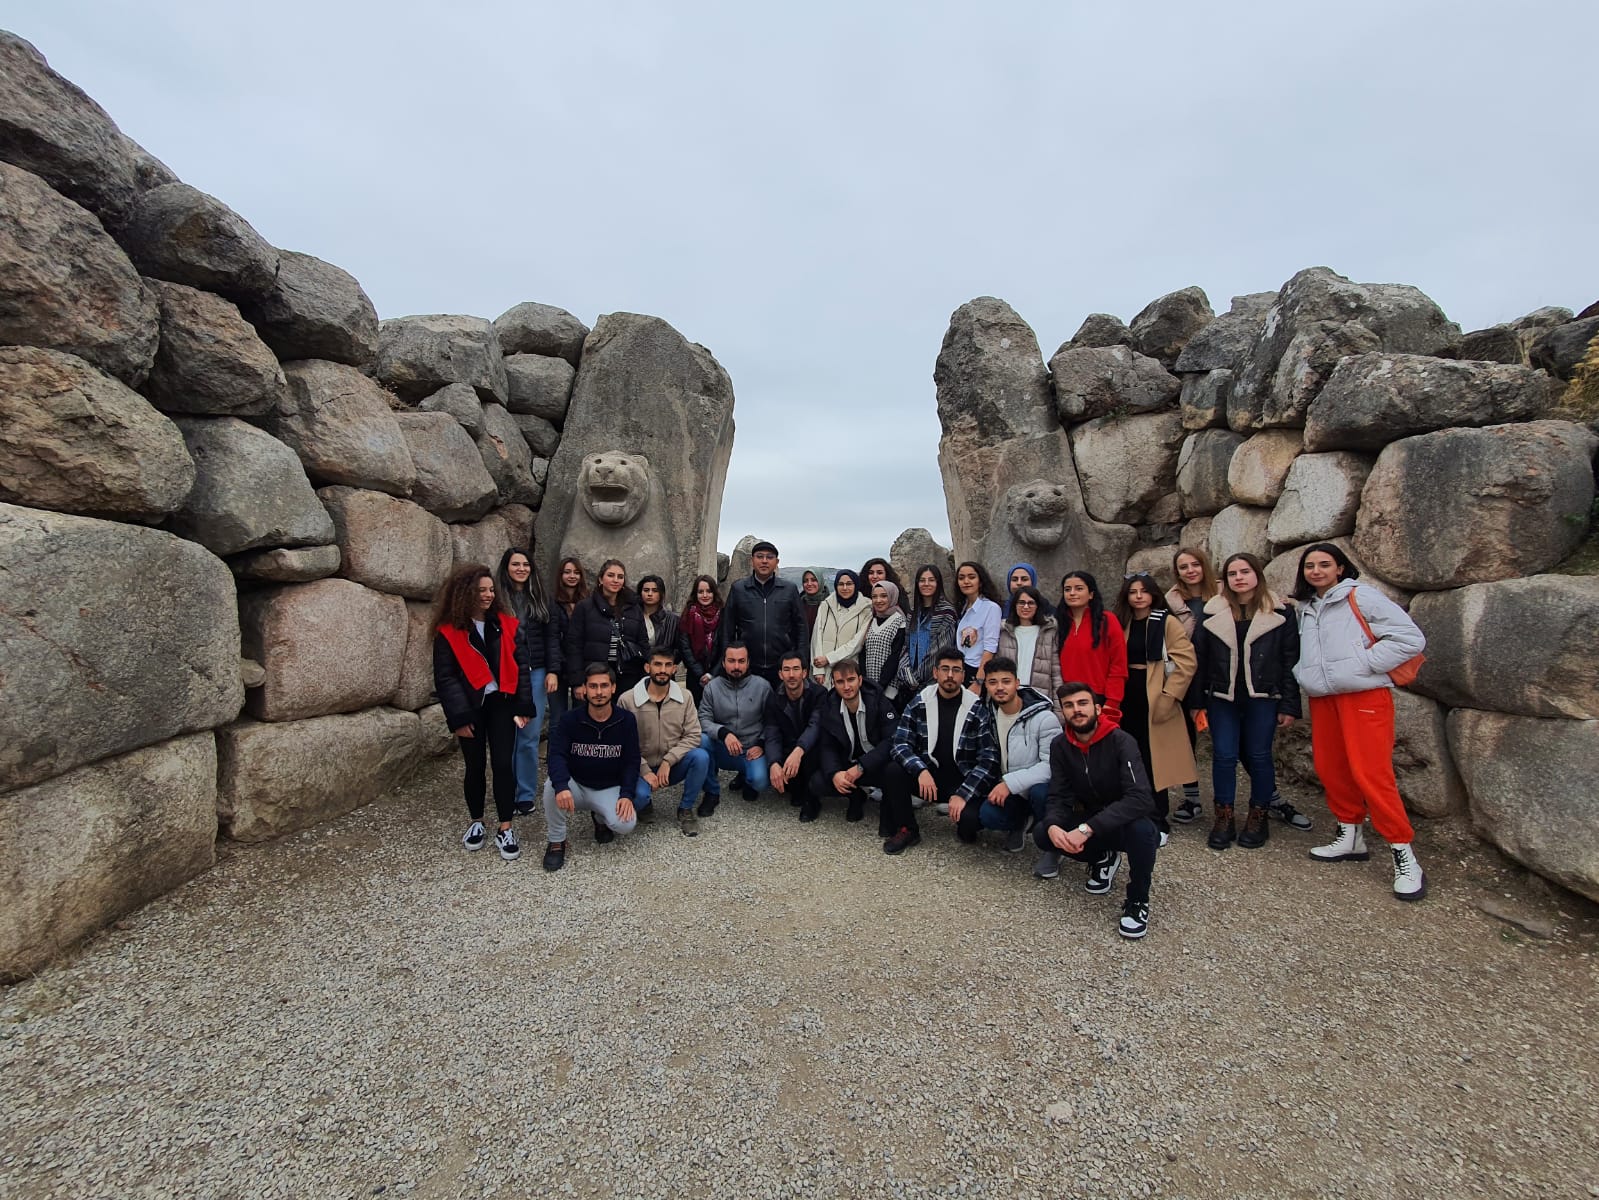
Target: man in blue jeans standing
[
  {"x": 669, "y": 739},
  {"x": 732, "y": 716},
  {"x": 1008, "y": 740}
]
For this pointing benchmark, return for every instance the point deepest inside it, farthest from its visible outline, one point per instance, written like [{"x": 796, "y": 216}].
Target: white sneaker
[
  {"x": 506, "y": 841},
  {"x": 942, "y": 808},
  {"x": 472, "y": 839},
  {"x": 1348, "y": 845},
  {"x": 1165, "y": 839},
  {"x": 1410, "y": 881}
]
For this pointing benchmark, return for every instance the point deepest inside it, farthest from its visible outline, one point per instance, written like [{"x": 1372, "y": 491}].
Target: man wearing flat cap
[{"x": 767, "y": 614}]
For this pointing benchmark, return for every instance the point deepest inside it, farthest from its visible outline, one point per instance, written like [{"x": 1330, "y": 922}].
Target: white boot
[
  {"x": 1410, "y": 881},
  {"x": 1349, "y": 844}
]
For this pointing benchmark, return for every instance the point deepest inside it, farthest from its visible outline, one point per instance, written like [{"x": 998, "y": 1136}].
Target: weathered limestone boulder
[
  {"x": 484, "y": 541},
  {"x": 1319, "y": 497},
  {"x": 451, "y": 480},
  {"x": 1202, "y": 466},
  {"x": 75, "y": 440},
  {"x": 91, "y": 621},
  {"x": 209, "y": 360},
  {"x": 1560, "y": 349},
  {"x": 1282, "y": 572},
  {"x": 388, "y": 544},
  {"x": 329, "y": 646},
  {"x": 461, "y": 402},
  {"x": 1240, "y": 529},
  {"x": 1114, "y": 380},
  {"x": 1203, "y": 399},
  {"x": 1222, "y": 344},
  {"x": 316, "y": 310},
  {"x": 539, "y": 386},
  {"x": 507, "y": 457},
  {"x": 914, "y": 548},
  {"x": 1101, "y": 329},
  {"x": 1481, "y": 652},
  {"x": 991, "y": 380},
  {"x": 283, "y": 565},
  {"x": 339, "y": 422},
  {"x": 88, "y": 846},
  {"x": 1319, "y": 317},
  {"x": 738, "y": 564},
  {"x": 180, "y": 234},
  {"x": 1127, "y": 464},
  {"x": 1165, "y": 326},
  {"x": 651, "y": 418},
  {"x": 419, "y": 355},
  {"x": 65, "y": 285},
  {"x": 1532, "y": 785},
  {"x": 1157, "y": 561},
  {"x": 1373, "y": 399},
  {"x": 541, "y": 329},
  {"x": 273, "y": 779},
  {"x": 1497, "y": 343},
  {"x": 1424, "y": 767},
  {"x": 251, "y": 490},
  {"x": 1518, "y": 498},
  {"x": 541, "y": 437},
  {"x": 416, "y": 672},
  {"x": 1259, "y": 468},
  {"x": 1196, "y": 534},
  {"x": 434, "y": 739}
]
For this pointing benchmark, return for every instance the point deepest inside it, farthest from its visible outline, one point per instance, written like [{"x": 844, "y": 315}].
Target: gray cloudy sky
[{"x": 810, "y": 190}]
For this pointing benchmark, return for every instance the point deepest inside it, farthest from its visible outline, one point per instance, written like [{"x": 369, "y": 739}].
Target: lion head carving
[
  {"x": 1037, "y": 512},
  {"x": 614, "y": 486}
]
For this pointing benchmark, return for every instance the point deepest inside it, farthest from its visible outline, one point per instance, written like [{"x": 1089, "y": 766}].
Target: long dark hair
[
  {"x": 917, "y": 606},
  {"x": 538, "y": 605},
  {"x": 456, "y": 604},
  {"x": 1124, "y": 605},
  {"x": 624, "y": 598},
  {"x": 660, "y": 586},
  {"x": 891, "y": 575},
  {"x": 1346, "y": 569},
  {"x": 564, "y": 594},
  {"x": 1096, "y": 608},
  {"x": 985, "y": 584},
  {"x": 694, "y": 589},
  {"x": 1039, "y": 616}
]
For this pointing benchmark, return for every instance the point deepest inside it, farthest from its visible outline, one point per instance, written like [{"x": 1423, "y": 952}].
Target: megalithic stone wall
[
  {"x": 228, "y": 495},
  {"x": 1456, "y": 471}
]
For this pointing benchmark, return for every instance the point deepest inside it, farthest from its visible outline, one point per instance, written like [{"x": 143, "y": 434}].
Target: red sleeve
[{"x": 1114, "y": 646}]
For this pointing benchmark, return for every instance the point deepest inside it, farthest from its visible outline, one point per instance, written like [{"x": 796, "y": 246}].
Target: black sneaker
[
  {"x": 1291, "y": 816},
  {"x": 523, "y": 809},
  {"x": 857, "y": 806},
  {"x": 602, "y": 832},
  {"x": 708, "y": 804},
  {"x": 965, "y": 834},
  {"x": 902, "y": 841},
  {"x": 1187, "y": 812},
  {"x": 809, "y": 811},
  {"x": 1134, "y": 922},
  {"x": 472, "y": 839},
  {"x": 1103, "y": 873},
  {"x": 510, "y": 851},
  {"x": 554, "y": 856}
]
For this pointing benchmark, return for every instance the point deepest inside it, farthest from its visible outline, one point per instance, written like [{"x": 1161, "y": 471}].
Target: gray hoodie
[{"x": 736, "y": 708}]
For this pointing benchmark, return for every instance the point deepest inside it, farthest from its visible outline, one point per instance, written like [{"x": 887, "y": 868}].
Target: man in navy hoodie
[{"x": 593, "y": 765}]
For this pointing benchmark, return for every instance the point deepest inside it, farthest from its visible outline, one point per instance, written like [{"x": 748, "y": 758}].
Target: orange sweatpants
[{"x": 1352, "y": 740}]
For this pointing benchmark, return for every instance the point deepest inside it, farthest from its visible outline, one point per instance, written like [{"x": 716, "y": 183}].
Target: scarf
[
  {"x": 854, "y": 596},
  {"x": 880, "y": 640},
  {"x": 474, "y": 666}
]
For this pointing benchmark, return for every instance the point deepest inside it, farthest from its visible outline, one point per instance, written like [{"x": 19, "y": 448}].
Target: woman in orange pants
[{"x": 1350, "y": 638}]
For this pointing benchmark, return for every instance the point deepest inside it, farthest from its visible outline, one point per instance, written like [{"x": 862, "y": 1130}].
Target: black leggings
[
  {"x": 1135, "y": 720},
  {"x": 493, "y": 740}
]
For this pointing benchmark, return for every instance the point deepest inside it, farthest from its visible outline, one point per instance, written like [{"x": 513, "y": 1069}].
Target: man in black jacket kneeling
[{"x": 1100, "y": 803}]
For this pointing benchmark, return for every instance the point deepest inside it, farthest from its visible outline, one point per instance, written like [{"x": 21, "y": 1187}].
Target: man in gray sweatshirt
[{"x": 732, "y": 714}]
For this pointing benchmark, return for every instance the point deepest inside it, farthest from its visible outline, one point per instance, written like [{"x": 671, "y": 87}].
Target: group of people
[{"x": 1071, "y": 720}]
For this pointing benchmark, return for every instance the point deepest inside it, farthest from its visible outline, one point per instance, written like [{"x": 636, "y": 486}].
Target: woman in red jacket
[
  {"x": 481, "y": 677},
  {"x": 1093, "y": 648}
]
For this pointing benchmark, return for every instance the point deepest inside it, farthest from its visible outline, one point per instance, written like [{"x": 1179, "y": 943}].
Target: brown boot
[
  {"x": 1223, "y": 833},
  {"x": 1257, "y": 829}
]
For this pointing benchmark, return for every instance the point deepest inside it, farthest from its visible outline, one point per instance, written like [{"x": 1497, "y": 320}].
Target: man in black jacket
[
  {"x": 1100, "y": 803},
  {"x": 854, "y": 751},
  {"x": 766, "y": 613},
  {"x": 790, "y": 730}
]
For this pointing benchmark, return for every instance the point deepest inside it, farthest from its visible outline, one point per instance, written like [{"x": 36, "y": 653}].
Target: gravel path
[{"x": 779, "y": 1010}]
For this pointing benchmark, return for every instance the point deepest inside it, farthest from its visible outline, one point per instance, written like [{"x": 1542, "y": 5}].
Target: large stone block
[
  {"x": 1560, "y": 349},
  {"x": 1282, "y": 572},
  {"x": 180, "y": 234},
  {"x": 1240, "y": 529},
  {"x": 911, "y": 550},
  {"x": 1165, "y": 326},
  {"x": 486, "y": 540},
  {"x": 507, "y": 457},
  {"x": 316, "y": 310},
  {"x": 1222, "y": 344},
  {"x": 1534, "y": 791},
  {"x": 75, "y": 440},
  {"x": 273, "y": 779},
  {"x": 1320, "y": 498},
  {"x": 82, "y": 849},
  {"x": 1112, "y": 380},
  {"x": 65, "y": 285},
  {"x": 1259, "y": 468},
  {"x": 280, "y": 565},
  {"x": 539, "y": 386},
  {"x": 416, "y": 674},
  {"x": 210, "y": 360},
  {"x": 1518, "y": 498},
  {"x": 1101, "y": 329},
  {"x": 1424, "y": 766},
  {"x": 542, "y": 438},
  {"x": 1127, "y": 464},
  {"x": 451, "y": 480},
  {"x": 251, "y": 490},
  {"x": 340, "y": 424},
  {"x": 329, "y": 646},
  {"x": 419, "y": 355},
  {"x": 434, "y": 738},
  {"x": 1203, "y": 400},
  {"x": 541, "y": 329},
  {"x": 460, "y": 401},
  {"x": 1373, "y": 399},
  {"x": 99, "y": 652},
  {"x": 388, "y": 544},
  {"x": 1202, "y": 466},
  {"x": 1482, "y": 651}
]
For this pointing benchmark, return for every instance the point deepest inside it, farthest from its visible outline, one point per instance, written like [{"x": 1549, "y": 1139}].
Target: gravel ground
[{"x": 779, "y": 1010}]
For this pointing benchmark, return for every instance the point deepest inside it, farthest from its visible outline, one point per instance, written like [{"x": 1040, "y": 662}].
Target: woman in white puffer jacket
[
  {"x": 841, "y": 624},
  {"x": 1343, "y": 667}
]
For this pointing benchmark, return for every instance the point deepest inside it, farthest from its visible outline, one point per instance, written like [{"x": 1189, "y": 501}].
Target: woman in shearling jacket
[
  {"x": 1246, "y": 647},
  {"x": 1343, "y": 665},
  {"x": 1160, "y": 668}
]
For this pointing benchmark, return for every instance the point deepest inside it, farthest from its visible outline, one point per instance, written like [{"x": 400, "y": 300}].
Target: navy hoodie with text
[{"x": 597, "y": 754}]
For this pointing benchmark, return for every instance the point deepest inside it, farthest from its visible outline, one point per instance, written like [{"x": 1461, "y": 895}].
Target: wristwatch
[{"x": 1085, "y": 830}]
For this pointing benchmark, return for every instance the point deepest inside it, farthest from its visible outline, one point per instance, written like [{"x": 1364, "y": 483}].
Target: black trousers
[
  {"x": 1140, "y": 840},
  {"x": 493, "y": 740},
  {"x": 895, "y": 813},
  {"x": 1135, "y": 720}
]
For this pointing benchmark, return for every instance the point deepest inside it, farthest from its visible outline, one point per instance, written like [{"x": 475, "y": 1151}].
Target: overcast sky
[{"x": 810, "y": 190}]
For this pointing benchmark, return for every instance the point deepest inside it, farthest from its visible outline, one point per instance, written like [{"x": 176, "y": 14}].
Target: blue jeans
[
  {"x": 1242, "y": 729},
  {"x": 1014, "y": 813},
  {"x": 527, "y": 747},
  {"x": 691, "y": 771},
  {"x": 757, "y": 772}
]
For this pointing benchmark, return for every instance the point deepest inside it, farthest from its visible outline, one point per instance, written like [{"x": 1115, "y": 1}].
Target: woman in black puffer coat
[{"x": 608, "y": 627}]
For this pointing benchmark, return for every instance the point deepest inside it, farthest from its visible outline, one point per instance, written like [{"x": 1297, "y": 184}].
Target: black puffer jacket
[
  {"x": 543, "y": 638},
  {"x": 462, "y": 703},
  {"x": 1101, "y": 785},
  {"x": 769, "y": 618},
  {"x": 1271, "y": 648},
  {"x": 588, "y": 636},
  {"x": 833, "y": 742}
]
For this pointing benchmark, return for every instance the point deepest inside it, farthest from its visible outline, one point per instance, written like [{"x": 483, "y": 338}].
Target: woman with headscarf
[
  {"x": 1021, "y": 575},
  {"x": 880, "y": 570},
  {"x": 840, "y": 628},
  {"x": 884, "y": 644},
  {"x": 812, "y": 594}
]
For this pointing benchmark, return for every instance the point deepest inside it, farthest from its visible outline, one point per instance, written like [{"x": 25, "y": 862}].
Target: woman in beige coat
[{"x": 1160, "y": 653}]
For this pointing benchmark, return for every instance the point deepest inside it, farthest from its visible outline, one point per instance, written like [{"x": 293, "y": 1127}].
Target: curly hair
[{"x": 456, "y": 604}]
